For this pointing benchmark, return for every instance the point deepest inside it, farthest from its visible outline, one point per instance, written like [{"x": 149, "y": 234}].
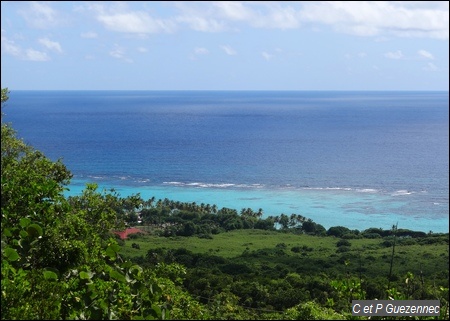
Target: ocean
[{"x": 354, "y": 159}]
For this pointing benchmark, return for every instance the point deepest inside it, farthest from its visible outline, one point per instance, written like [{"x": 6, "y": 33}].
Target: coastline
[{"x": 354, "y": 209}]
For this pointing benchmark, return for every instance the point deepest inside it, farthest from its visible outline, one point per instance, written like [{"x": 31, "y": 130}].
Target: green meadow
[{"x": 368, "y": 258}]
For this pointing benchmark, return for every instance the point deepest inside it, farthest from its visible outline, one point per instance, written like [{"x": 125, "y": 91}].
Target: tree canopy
[{"x": 59, "y": 258}]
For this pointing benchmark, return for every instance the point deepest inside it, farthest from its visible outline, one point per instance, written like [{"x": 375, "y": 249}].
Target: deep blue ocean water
[{"x": 357, "y": 159}]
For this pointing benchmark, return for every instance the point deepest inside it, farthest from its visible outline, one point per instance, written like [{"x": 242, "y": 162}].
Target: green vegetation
[
  {"x": 61, "y": 260},
  {"x": 293, "y": 268}
]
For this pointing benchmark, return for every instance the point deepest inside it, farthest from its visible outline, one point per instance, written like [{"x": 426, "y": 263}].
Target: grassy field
[
  {"x": 315, "y": 254},
  {"x": 230, "y": 244}
]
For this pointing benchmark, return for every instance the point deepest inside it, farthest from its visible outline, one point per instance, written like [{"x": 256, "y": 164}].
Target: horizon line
[{"x": 247, "y": 90}]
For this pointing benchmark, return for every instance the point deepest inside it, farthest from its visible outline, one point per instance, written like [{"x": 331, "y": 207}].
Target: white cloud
[
  {"x": 52, "y": 45},
  {"x": 202, "y": 24},
  {"x": 368, "y": 18},
  {"x": 119, "y": 18},
  {"x": 430, "y": 67},
  {"x": 394, "y": 55},
  {"x": 425, "y": 54},
  {"x": 266, "y": 55},
  {"x": 199, "y": 16},
  {"x": 119, "y": 53},
  {"x": 142, "y": 50},
  {"x": 135, "y": 22},
  {"x": 218, "y": 16},
  {"x": 198, "y": 51},
  {"x": 201, "y": 51},
  {"x": 10, "y": 47},
  {"x": 228, "y": 50},
  {"x": 260, "y": 14},
  {"x": 40, "y": 15},
  {"x": 279, "y": 18},
  {"x": 233, "y": 10},
  {"x": 364, "y": 18},
  {"x": 35, "y": 55},
  {"x": 89, "y": 35}
]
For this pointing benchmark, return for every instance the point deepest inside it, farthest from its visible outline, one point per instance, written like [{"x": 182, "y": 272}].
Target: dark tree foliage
[{"x": 59, "y": 259}]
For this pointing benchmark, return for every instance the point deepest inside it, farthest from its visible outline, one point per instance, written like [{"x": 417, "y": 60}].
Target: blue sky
[{"x": 77, "y": 45}]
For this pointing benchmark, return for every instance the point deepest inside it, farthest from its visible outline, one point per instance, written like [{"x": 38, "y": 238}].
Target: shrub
[
  {"x": 343, "y": 248},
  {"x": 338, "y": 231},
  {"x": 205, "y": 236},
  {"x": 343, "y": 242},
  {"x": 134, "y": 236},
  {"x": 372, "y": 235},
  {"x": 350, "y": 236},
  {"x": 407, "y": 241}
]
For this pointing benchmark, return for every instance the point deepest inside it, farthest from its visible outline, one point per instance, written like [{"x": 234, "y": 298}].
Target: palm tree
[
  {"x": 284, "y": 221},
  {"x": 259, "y": 214},
  {"x": 149, "y": 202}
]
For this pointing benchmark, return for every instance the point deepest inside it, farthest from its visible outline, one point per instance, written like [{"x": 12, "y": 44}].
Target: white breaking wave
[
  {"x": 360, "y": 190},
  {"x": 252, "y": 186},
  {"x": 213, "y": 185},
  {"x": 97, "y": 177},
  {"x": 367, "y": 190},
  {"x": 402, "y": 192},
  {"x": 173, "y": 183}
]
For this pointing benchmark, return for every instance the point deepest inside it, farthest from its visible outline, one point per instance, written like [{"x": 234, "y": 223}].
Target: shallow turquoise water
[{"x": 330, "y": 207}]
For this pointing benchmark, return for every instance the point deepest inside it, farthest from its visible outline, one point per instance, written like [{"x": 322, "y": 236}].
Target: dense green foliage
[
  {"x": 61, "y": 260},
  {"x": 296, "y": 268}
]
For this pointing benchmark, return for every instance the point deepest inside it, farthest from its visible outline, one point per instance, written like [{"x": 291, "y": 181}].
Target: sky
[{"x": 225, "y": 45}]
